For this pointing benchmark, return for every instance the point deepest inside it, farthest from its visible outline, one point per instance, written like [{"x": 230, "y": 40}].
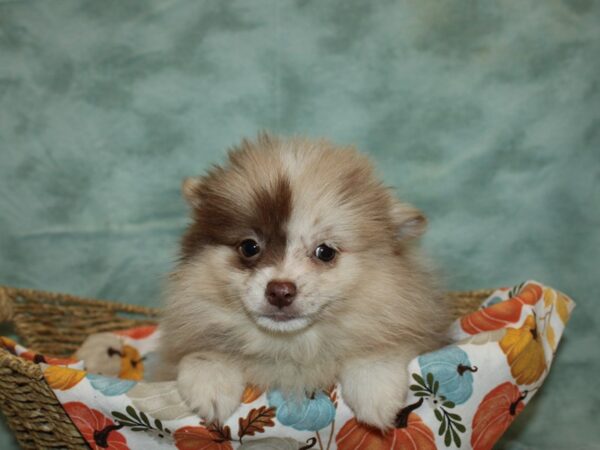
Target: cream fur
[{"x": 361, "y": 319}]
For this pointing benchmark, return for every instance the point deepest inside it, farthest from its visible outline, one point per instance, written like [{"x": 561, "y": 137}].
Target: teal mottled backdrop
[{"x": 484, "y": 114}]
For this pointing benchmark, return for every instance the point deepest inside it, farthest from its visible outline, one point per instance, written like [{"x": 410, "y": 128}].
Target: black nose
[{"x": 280, "y": 293}]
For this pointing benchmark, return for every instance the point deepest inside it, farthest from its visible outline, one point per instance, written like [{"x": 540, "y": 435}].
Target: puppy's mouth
[
  {"x": 282, "y": 317},
  {"x": 282, "y": 322}
]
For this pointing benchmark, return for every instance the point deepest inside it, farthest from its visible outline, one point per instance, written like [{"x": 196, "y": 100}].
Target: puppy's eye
[
  {"x": 325, "y": 253},
  {"x": 249, "y": 248}
]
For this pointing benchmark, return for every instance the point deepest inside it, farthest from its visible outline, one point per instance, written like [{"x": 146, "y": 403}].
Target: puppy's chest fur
[
  {"x": 289, "y": 375},
  {"x": 309, "y": 360}
]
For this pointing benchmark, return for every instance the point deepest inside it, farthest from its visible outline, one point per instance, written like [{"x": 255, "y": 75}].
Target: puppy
[{"x": 298, "y": 271}]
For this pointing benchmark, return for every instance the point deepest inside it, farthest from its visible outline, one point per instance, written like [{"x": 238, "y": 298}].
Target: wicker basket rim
[{"x": 9, "y": 297}]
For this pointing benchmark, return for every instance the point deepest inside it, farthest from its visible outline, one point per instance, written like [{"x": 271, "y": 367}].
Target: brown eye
[
  {"x": 249, "y": 248},
  {"x": 325, "y": 253}
]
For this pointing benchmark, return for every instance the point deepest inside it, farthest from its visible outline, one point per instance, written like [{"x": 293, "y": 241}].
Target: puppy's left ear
[
  {"x": 190, "y": 188},
  {"x": 410, "y": 222}
]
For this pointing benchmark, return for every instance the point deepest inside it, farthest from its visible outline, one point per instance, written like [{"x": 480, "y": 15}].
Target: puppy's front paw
[
  {"x": 375, "y": 393},
  {"x": 376, "y": 405},
  {"x": 212, "y": 388}
]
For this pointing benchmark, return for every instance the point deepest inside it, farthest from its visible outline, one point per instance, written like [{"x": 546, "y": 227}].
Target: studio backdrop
[{"x": 486, "y": 115}]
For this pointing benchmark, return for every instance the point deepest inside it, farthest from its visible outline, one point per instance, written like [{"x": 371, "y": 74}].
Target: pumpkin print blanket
[{"x": 462, "y": 396}]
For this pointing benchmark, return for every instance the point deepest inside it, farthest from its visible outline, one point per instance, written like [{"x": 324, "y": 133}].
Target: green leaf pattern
[
  {"x": 140, "y": 422},
  {"x": 450, "y": 423}
]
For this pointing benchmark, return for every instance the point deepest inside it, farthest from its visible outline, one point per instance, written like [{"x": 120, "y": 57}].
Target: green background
[{"x": 484, "y": 114}]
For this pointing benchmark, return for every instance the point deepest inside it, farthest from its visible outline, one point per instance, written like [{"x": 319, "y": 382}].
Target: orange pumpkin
[
  {"x": 199, "y": 438},
  {"x": 60, "y": 361},
  {"x": 524, "y": 351},
  {"x": 415, "y": 436},
  {"x": 499, "y": 315},
  {"x": 33, "y": 356},
  {"x": 138, "y": 332},
  {"x": 39, "y": 358},
  {"x": 494, "y": 415},
  {"x": 99, "y": 431}
]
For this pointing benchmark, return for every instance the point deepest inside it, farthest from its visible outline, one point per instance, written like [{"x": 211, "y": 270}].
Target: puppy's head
[{"x": 289, "y": 232}]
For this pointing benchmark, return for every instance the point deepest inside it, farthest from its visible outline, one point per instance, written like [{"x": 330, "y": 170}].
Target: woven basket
[{"x": 56, "y": 324}]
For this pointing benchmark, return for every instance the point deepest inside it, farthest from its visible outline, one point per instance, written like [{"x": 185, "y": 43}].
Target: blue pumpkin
[
  {"x": 310, "y": 414},
  {"x": 110, "y": 386},
  {"x": 451, "y": 367}
]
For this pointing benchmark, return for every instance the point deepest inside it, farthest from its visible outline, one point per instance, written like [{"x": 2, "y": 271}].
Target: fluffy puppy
[{"x": 298, "y": 270}]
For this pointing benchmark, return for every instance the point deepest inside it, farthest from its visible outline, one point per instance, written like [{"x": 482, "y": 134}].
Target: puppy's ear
[
  {"x": 190, "y": 188},
  {"x": 410, "y": 222}
]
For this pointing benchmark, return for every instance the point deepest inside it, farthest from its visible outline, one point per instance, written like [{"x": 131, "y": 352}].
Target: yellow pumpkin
[
  {"x": 561, "y": 302},
  {"x": 62, "y": 378},
  {"x": 524, "y": 351},
  {"x": 132, "y": 367}
]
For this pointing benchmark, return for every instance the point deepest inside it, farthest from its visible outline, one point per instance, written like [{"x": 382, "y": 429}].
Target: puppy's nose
[{"x": 280, "y": 293}]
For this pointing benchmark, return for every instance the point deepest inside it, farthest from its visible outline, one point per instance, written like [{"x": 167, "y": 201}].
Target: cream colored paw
[
  {"x": 211, "y": 388},
  {"x": 375, "y": 392},
  {"x": 375, "y": 406}
]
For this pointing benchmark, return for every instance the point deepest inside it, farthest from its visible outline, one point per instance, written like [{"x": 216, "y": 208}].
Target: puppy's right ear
[
  {"x": 190, "y": 188},
  {"x": 410, "y": 222}
]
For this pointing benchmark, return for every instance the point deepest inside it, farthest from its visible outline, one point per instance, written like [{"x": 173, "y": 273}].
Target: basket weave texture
[{"x": 56, "y": 324}]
